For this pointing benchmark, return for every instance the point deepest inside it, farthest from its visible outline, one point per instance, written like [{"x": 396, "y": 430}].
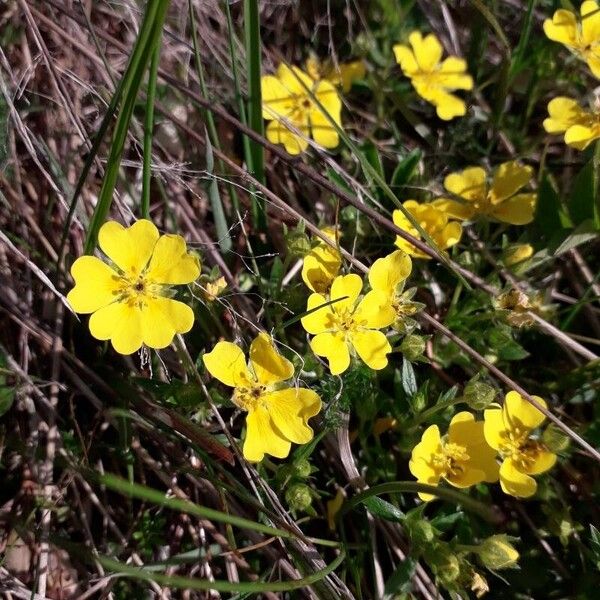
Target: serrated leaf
[{"x": 400, "y": 581}]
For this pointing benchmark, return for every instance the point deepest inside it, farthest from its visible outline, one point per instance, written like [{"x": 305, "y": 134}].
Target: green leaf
[
  {"x": 372, "y": 155},
  {"x": 595, "y": 545},
  {"x": 405, "y": 169},
  {"x": 549, "y": 214},
  {"x": 584, "y": 232},
  {"x": 216, "y": 203},
  {"x": 409, "y": 380},
  {"x": 7, "y": 397},
  {"x": 383, "y": 509},
  {"x": 400, "y": 581},
  {"x": 582, "y": 202}
]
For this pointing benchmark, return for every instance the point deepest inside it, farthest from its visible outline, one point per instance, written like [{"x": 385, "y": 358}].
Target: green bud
[
  {"x": 479, "y": 395},
  {"x": 413, "y": 346},
  {"x": 497, "y": 553},
  {"x": 302, "y": 469},
  {"x": 298, "y": 497},
  {"x": 421, "y": 531},
  {"x": 298, "y": 243},
  {"x": 444, "y": 563}
]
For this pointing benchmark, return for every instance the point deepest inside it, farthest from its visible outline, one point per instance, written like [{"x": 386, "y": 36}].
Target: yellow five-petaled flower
[
  {"x": 432, "y": 78},
  {"x": 580, "y": 126},
  {"x": 500, "y": 201},
  {"x": 277, "y": 412},
  {"x": 582, "y": 38},
  {"x": 462, "y": 458},
  {"x": 433, "y": 220},
  {"x": 129, "y": 299},
  {"x": 348, "y": 325},
  {"x": 508, "y": 430},
  {"x": 289, "y": 104}
]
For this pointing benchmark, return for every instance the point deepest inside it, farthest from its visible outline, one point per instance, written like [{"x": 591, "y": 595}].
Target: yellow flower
[
  {"x": 294, "y": 115},
  {"x": 462, "y": 458},
  {"x": 349, "y": 325},
  {"x": 322, "y": 264},
  {"x": 129, "y": 300},
  {"x": 432, "y": 78},
  {"x": 508, "y": 430},
  {"x": 580, "y": 126},
  {"x": 582, "y": 38},
  {"x": 277, "y": 415},
  {"x": 433, "y": 220},
  {"x": 344, "y": 74},
  {"x": 500, "y": 201}
]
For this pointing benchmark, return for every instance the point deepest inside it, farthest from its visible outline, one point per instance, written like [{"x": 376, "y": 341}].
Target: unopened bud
[
  {"x": 299, "y": 497},
  {"x": 298, "y": 243},
  {"x": 497, "y": 553},
  {"x": 517, "y": 254},
  {"x": 555, "y": 439},
  {"x": 413, "y": 346},
  {"x": 479, "y": 395},
  {"x": 302, "y": 468}
]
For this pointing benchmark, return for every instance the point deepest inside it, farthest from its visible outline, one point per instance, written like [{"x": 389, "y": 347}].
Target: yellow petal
[
  {"x": 320, "y": 267},
  {"x": 468, "y": 184},
  {"x": 593, "y": 62},
  {"x": 581, "y": 136},
  {"x": 345, "y": 289},
  {"x": 372, "y": 347},
  {"x": 351, "y": 72},
  {"x": 564, "y": 113},
  {"x": 329, "y": 98},
  {"x": 334, "y": 348},
  {"x": 276, "y": 98},
  {"x": 402, "y": 222},
  {"x": 286, "y": 409},
  {"x": 519, "y": 412},
  {"x": 450, "y": 235},
  {"x": 322, "y": 319},
  {"x": 516, "y": 254},
  {"x": 514, "y": 482},
  {"x": 294, "y": 79},
  {"x": 121, "y": 323},
  {"x": 406, "y": 59},
  {"x": 428, "y": 50},
  {"x": 422, "y": 455},
  {"x": 510, "y": 177},
  {"x": 543, "y": 461},
  {"x": 227, "y": 363},
  {"x": 162, "y": 319},
  {"x": 375, "y": 311},
  {"x": 171, "y": 264},
  {"x": 465, "y": 431},
  {"x": 448, "y": 106},
  {"x": 494, "y": 429},
  {"x": 129, "y": 248},
  {"x": 590, "y": 23},
  {"x": 96, "y": 285},
  {"x": 294, "y": 137},
  {"x": 322, "y": 131},
  {"x": 268, "y": 365},
  {"x": 387, "y": 273},
  {"x": 562, "y": 28},
  {"x": 452, "y": 74},
  {"x": 518, "y": 210},
  {"x": 263, "y": 437},
  {"x": 457, "y": 210}
]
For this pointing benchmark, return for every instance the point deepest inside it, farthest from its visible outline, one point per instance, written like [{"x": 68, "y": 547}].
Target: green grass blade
[
  {"x": 178, "y": 581},
  {"x": 141, "y": 492},
  {"x": 149, "y": 131},
  {"x": 255, "y": 119},
  {"x": 148, "y": 38}
]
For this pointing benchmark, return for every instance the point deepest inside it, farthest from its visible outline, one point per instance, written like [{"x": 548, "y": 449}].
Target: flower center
[
  {"x": 518, "y": 446},
  {"x": 249, "y": 398},
  {"x": 450, "y": 462},
  {"x": 137, "y": 289},
  {"x": 344, "y": 321}
]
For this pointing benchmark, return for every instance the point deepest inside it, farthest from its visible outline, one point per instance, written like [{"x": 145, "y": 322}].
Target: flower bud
[
  {"x": 444, "y": 563},
  {"x": 302, "y": 469},
  {"x": 517, "y": 254},
  {"x": 413, "y": 346},
  {"x": 555, "y": 439},
  {"x": 298, "y": 243},
  {"x": 497, "y": 553},
  {"x": 298, "y": 497},
  {"x": 479, "y": 395}
]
